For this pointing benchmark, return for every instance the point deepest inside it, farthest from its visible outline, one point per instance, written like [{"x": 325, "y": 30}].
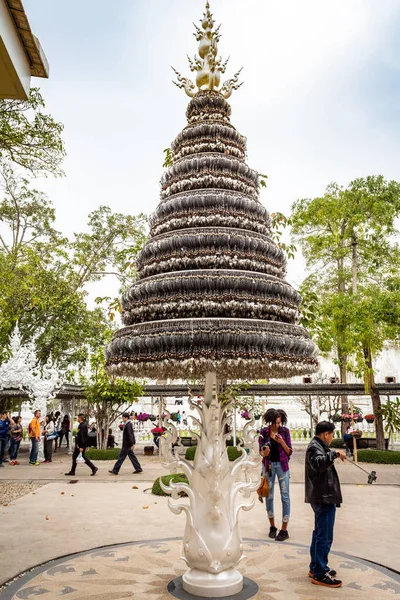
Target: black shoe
[
  {"x": 70, "y": 474},
  {"x": 135, "y": 472},
  {"x": 282, "y": 536},
  {"x": 93, "y": 473},
  {"x": 272, "y": 532},
  {"x": 331, "y": 572},
  {"x": 327, "y": 581},
  {"x": 112, "y": 472}
]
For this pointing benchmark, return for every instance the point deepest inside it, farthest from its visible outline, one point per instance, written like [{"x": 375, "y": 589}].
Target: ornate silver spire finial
[{"x": 207, "y": 65}]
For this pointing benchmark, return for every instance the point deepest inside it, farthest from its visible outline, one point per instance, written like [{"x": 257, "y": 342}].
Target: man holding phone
[{"x": 323, "y": 492}]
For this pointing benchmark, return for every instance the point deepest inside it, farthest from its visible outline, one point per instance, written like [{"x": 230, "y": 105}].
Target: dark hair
[
  {"x": 324, "y": 426},
  {"x": 15, "y": 419},
  {"x": 57, "y": 413},
  {"x": 36, "y": 411},
  {"x": 82, "y": 416},
  {"x": 273, "y": 414},
  {"x": 126, "y": 415}
]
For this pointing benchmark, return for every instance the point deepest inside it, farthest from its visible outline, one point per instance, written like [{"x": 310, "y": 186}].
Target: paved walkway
[
  {"x": 143, "y": 570},
  {"x": 63, "y": 518}
]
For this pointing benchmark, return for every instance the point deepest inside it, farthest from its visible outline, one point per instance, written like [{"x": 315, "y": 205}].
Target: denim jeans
[
  {"x": 322, "y": 537},
  {"x": 14, "y": 449},
  {"x": 283, "y": 480},
  {"x": 126, "y": 451},
  {"x": 34, "y": 450}
]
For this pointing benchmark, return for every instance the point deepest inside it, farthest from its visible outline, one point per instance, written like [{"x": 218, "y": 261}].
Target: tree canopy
[
  {"x": 29, "y": 137},
  {"x": 351, "y": 297}
]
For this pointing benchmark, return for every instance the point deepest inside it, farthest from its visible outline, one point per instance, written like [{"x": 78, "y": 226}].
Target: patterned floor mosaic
[{"x": 141, "y": 571}]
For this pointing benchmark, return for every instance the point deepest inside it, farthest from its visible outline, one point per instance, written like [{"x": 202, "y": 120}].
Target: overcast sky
[{"x": 320, "y": 100}]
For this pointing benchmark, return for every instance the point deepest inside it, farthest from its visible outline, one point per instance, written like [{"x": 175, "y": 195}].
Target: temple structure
[
  {"x": 210, "y": 293},
  {"x": 210, "y": 302}
]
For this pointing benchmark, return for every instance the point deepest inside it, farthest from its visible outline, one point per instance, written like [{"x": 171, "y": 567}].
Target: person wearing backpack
[
  {"x": 5, "y": 422},
  {"x": 34, "y": 436},
  {"x": 16, "y": 433}
]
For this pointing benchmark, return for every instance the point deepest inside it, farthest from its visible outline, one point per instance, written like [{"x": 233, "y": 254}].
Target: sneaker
[
  {"x": 135, "y": 472},
  {"x": 5, "y": 460},
  {"x": 272, "y": 532},
  {"x": 11, "y": 463},
  {"x": 16, "y": 462},
  {"x": 282, "y": 536},
  {"x": 70, "y": 474},
  {"x": 113, "y": 472},
  {"x": 331, "y": 572},
  {"x": 36, "y": 463},
  {"x": 327, "y": 581},
  {"x": 45, "y": 461},
  {"x": 93, "y": 473}
]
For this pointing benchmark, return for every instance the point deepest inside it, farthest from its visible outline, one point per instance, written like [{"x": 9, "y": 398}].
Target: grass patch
[
  {"x": 382, "y": 457},
  {"x": 233, "y": 453},
  {"x": 176, "y": 477},
  {"x": 97, "y": 454}
]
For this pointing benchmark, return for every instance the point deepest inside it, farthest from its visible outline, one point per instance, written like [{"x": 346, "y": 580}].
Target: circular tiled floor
[{"x": 142, "y": 570}]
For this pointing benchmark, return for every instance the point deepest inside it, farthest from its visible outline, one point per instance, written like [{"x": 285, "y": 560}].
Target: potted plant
[
  {"x": 345, "y": 418},
  {"x": 245, "y": 415},
  {"x": 257, "y": 416},
  {"x": 153, "y": 418},
  {"x": 370, "y": 418},
  {"x": 143, "y": 417},
  {"x": 336, "y": 418},
  {"x": 357, "y": 433}
]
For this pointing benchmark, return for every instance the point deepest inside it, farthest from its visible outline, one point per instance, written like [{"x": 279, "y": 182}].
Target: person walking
[
  {"x": 81, "y": 443},
  {"x": 276, "y": 449},
  {"x": 323, "y": 493},
  {"x": 48, "y": 438},
  {"x": 128, "y": 444},
  {"x": 34, "y": 436},
  {"x": 16, "y": 433},
  {"x": 5, "y": 423}
]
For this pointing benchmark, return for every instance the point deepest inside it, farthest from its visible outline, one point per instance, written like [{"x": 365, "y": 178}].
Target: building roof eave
[{"x": 36, "y": 57}]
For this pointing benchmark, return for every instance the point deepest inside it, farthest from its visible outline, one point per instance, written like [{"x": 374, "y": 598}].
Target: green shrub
[
  {"x": 176, "y": 477},
  {"x": 190, "y": 452},
  {"x": 337, "y": 443},
  {"x": 97, "y": 454},
  {"x": 233, "y": 453},
  {"x": 382, "y": 457}
]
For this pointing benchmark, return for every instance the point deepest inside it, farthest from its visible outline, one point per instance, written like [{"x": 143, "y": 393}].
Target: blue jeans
[
  {"x": 34, "y": 450},
  {"x": 283, "y": 480},
  {"x": 322, "y": 537},
  {"x": 14, "y": 449}
]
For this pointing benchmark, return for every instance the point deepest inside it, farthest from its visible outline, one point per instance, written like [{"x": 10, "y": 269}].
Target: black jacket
[
  {"x": 82, "y": 437},
  {"x": 322, "y": 481},
  {"x": 128, "y": 437}
]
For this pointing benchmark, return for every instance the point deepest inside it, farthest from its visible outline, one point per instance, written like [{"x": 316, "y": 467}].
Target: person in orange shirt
[{"x": 34, "y": 436}]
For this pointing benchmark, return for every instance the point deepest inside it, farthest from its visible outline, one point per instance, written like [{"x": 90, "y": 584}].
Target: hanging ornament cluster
[{"x": 210, "y": 293}]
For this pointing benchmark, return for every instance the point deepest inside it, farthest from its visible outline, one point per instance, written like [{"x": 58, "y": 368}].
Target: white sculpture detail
[
  {"x": 23, "y": 372},
  {"x": 212, "y": 545}
]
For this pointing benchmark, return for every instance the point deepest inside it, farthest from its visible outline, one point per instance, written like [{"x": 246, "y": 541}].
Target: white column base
[{"x": 210, "y": 585}]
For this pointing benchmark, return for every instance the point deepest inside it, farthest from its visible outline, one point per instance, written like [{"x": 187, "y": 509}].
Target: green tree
[
  {"x": 108, "y": 396},
  {"x": 29, "y": 137},
  {"x": 391, "y": 415},
  {"x": 348, "y": 240},
  {"x": 43, "y": 275}
]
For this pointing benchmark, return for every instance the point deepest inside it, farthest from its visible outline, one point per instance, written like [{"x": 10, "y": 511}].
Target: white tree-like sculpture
[
  {"x": 15, "y": 373},
  {"x": 22, "y": 371},
  {"x": 212, "y": 545}
]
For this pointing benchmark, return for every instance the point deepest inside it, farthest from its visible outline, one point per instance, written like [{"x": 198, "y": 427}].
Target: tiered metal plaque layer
[{"x": 210, "y": 293}]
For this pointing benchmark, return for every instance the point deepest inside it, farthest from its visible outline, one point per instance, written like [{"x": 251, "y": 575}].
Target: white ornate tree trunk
[{"x": 212, "y": 545}]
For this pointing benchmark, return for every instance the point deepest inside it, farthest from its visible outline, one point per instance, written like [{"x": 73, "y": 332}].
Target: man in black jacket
[
  {"x": 128, "y": 444},
  {"x": 324, "y": 494},
  {"x": 81, "y": 443}
]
